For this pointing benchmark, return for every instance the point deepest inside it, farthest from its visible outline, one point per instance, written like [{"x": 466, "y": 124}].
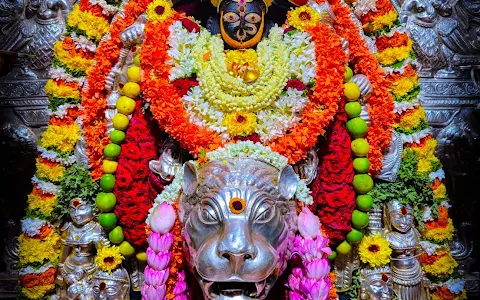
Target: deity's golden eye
[
  {"x": 253, "y": 18},
  {"x": 231, "y": 17}
]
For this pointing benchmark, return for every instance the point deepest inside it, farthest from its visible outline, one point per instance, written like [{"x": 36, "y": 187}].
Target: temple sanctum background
[{"x": 449, "y": 73}]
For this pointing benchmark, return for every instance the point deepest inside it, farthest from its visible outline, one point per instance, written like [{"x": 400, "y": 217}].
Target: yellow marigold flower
[
  {"x": 375, "y": 250},
  {"x": 37, "y": 291},
  {"x": 443, "y": 266},
  {"x": 412, "y": 120},
  {"x": 240, "y": 124},
  {"x": 44, "y": 204},
  {"x": 401, "y": 87},
  {"x": 61, "y": 91},
  {"x": 239, "y": 57},
  {"x": 439, "y": 234},
  {"x": 303, "y": 17},
  {"x": 391, "y": 55},
  {"x": 93, "y": 26},
  {"x": 72, "y": 62},
  {"x": 63, "y": 138},
  {"x": 53, "y": 173},
  {"x": 33, "y": 250},
  {"x": 426, "y": 155},
  {"x": 108, "y": 258},
  {"x": 159, "y": 10},
  {"x": 386, "y": 20},
  {"x": 440, "y": 191}
]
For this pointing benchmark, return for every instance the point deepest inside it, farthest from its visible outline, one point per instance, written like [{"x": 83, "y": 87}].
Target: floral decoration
[
  {"x": 374, "y": 250},
  {"x": 108, "y": 258}
]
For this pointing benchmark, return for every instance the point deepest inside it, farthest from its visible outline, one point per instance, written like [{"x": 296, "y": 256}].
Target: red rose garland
[
  {"x": 332, "y": 190},
  {"x": 132, "y": 180}
]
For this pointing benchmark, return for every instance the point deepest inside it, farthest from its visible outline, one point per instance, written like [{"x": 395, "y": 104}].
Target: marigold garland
[
  {"x": 39, "y": 202},
  {"x": 69, "y": 91},
  {"x": 380, "y": 102},
  {"x": 77, "y": 63},
  {"x": 390, "y": 56},
  {"x": 38, "y": 291},
  {"x": 49, "y": 170},
  {"x": 84, "y": 22},
  {"x": 441, "y": 264},
  {"x": 94, "y": 98},
  {"x": 60, "y": 138},
  {"x": 33, "y": 250}
]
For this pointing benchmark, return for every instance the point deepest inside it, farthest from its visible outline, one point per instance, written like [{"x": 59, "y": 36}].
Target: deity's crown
[
  {"x": 366, "y": 272},
  {"x": 268, "y": 3}
]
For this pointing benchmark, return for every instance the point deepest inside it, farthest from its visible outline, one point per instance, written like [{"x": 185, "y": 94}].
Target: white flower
[
  {"x": 60, "y": 73},
  {"x": 32, "y": 270},
  {"x": 400, "y": 107},
  {"x": 429, "y": 248},
  {"x": 31, "y": 227},
  {"x": 362, "y": 7},
  {"x": 446, "y": 204},
  {"x": 181, "y": 43},
  {"x": 415, "y": 137},
  {"x": 54, "y": 156},
  {"x": 427, "y": 214},
  {"x": 46, "y": 187},
  {"x": 81, "y": 42},
  {"x": 440, "y": 174}
]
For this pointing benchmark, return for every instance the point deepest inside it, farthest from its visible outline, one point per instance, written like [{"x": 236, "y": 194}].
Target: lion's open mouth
[{"x": 253, "y": 290}]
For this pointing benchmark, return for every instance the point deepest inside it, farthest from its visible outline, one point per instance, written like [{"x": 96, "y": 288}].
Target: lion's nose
[
  {"x": 237, "y": 260},
  {"x": 236, "y": 245}
]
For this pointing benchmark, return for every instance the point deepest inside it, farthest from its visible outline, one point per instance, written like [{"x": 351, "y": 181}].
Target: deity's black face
[{"x": 242, "y": 22}]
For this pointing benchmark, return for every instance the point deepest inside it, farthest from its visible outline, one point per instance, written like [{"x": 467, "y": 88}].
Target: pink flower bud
[
  {"x": 316, "y": 289},
  {"x": 158, "y": 261},
  {"x": 180, "y": 288},
  {"x": 294, "y": 296},
  {"x": 160, "y": 242},
  {"x": 318, "y": 268},
  {"x": 162, "y": 218},
  {"x": 151, "y": 293},
  {"x": 154, "y": 277},
  {"x": 308, "y": 223}
]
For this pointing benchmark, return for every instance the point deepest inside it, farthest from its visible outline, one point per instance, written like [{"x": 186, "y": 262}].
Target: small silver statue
[
  {"x": 409, "y": 281},
  {"x": 81, "y": 237},
  {"x": 113, "y": 286},
  {"x": 238, "y": 221},
  {"x": 376, "y": 284}
]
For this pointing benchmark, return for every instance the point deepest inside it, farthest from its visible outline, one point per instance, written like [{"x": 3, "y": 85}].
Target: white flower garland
[
  {"x": 272, "y": 121},
  {"x": 427, "y": 214},
  {"x": 390, "y": 70},
  {"x": 429, "y": 248},
  {"x": 363, "y": 7},
  {"x": 46, "y": 187},
  {"x": 60, "y": 73},
  {"x": 81, "y": 42},
  {"x": 171, "y": 193},
  {"x": 107, "y": 9},
  {"x": 31, "y": 227},
  {"x": 32, "y": 270},
  {"x": 62, "y": 110},
  {"x": 415, "y": 137},
  {"x": 400, "y": 107},
  {"x": 440, "y": 174},
  {"x": 55, "y": 157}
]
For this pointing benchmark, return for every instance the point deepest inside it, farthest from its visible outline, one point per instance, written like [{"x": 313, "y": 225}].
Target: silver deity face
[
  {"x": 80, "y": 211},
  {"x": 376, "y": 284},
  {"x": 237, "y": 226},
  {"x": 113, "y": 286},
  {"x": 401, "y": 216}
]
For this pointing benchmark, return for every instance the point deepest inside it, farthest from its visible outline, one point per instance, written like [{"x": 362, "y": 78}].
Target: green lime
[
  {"x": 112, "y": 151},
  {"x": 344, "y": 248},
  {"x": 105, "y": 201},
  {"x": 354, "y": 236},
  {"x": 117, "y": 136},
  {"x": 107, "y": 182},
  {"x": 364, "y": 202},
  {"x": 116, "y": 235},
  {"x": 361, "y": 165},
  {"x": 348, "y": 74},
  {"x": 126, "y": 249},
  {"x": 362, "y": 183},
  {"x": 357, "y": 127},
  {"x": 352, "y": 91},
  {"x": 107, "y": 220},
  {"x": 353, "y": 109},
  {"x": 359, "y": 219},
  {"x": 136, "y": 60},
  {"x": 360, "y": 147},
  {"x": 332, "y": 256}
]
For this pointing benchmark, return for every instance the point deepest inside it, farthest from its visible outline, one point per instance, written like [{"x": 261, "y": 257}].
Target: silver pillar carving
[
  {"x": 447, "y": 44},
  {"x": 28, "y": 30}
]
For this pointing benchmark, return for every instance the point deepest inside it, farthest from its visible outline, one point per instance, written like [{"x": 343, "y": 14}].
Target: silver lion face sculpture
[{"x": 239, "y": 219}]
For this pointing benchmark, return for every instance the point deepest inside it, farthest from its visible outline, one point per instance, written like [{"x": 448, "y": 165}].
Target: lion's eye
[
  {"x": 231, "y": 17},
  {"x": 264, "y": 212},
  {"x": 208, "y": 214}
]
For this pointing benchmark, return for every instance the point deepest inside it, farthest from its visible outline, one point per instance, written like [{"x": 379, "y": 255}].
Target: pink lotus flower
[
  {"x": 158, "y": 261},
  {"x": 318, "y": 268},
  {"x": 180, "y": 288},
  {"x": 294, "y": 281},
  {"x": 154, "y": 277},
  {"x": 295, "y": 296},
  {"x": 152, "y": 293},
  {"x": 316, "y": 289},
  {"x": 310, "y": 249},
  {"x": 162, "y": 218},
  {"x": 181, "y": 297},
  {"x": 308, "y": 224},
  {"x": 160, "y": 242}
]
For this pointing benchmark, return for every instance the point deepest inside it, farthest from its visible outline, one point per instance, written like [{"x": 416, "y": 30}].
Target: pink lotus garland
[
  {"x": 159, "y": 255},
  {"x": 310, "y": 279}
]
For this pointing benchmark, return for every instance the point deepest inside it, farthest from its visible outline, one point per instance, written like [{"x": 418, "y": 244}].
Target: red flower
[
  {"x": 288, "y": 29},
  {"x": 254, "y": 137},
  {"x": 183, "y": 85},
  {"x": 296, "y": 84},
  {"x": 190, "y": 25}
]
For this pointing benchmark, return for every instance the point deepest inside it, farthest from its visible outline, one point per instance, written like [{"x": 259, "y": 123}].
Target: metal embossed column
[
  {"x": 28, "y": 29},
  {"x": 447, "y": 44}
]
